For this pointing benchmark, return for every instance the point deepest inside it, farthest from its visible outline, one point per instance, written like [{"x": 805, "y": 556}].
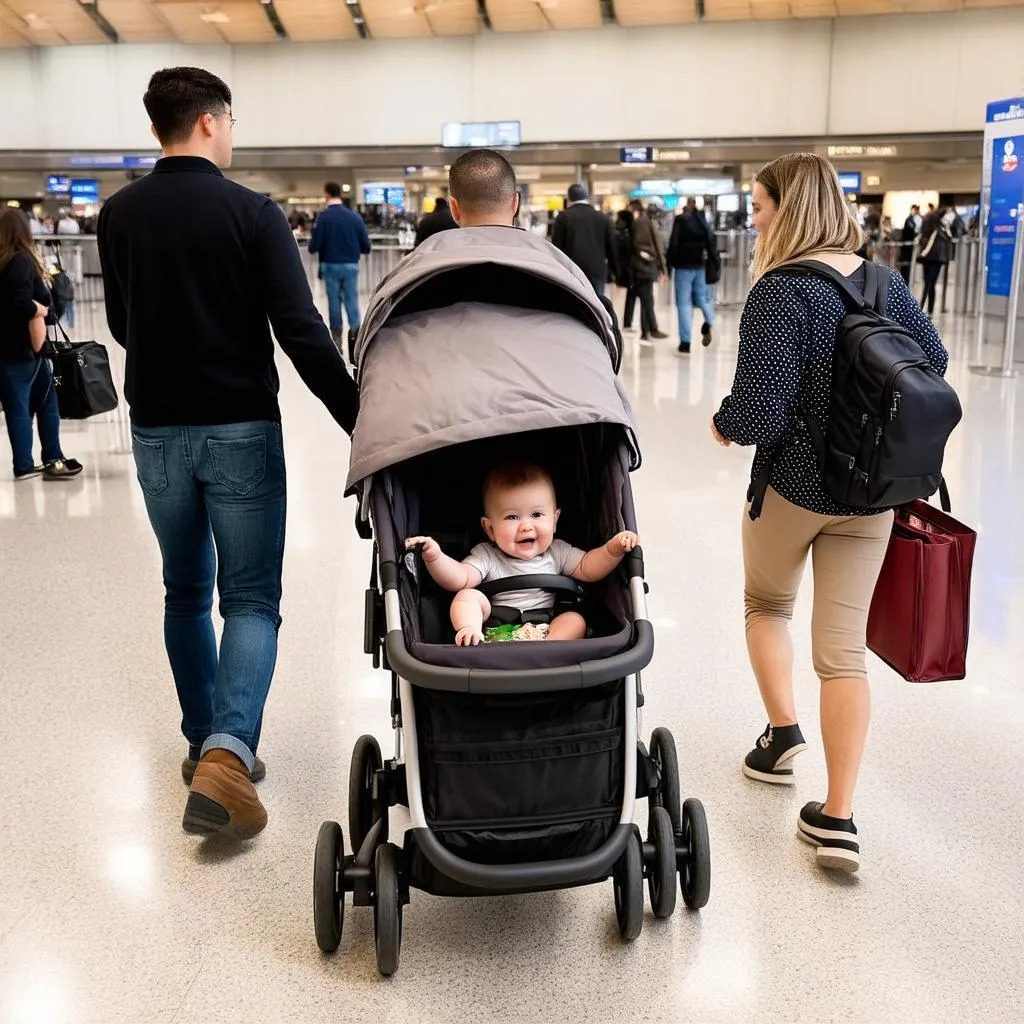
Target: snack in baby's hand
[{"x": 503, "y": 634}]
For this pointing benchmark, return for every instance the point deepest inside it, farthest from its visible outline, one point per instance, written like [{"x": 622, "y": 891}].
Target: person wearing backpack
[
  {"x": 936, "y": 251},
  {"x": 797, "y": 324},
  {"x": 691, "y": 250}
]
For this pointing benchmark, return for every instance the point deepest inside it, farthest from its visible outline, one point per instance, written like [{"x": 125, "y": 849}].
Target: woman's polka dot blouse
[{"x": 787, "y": 342}]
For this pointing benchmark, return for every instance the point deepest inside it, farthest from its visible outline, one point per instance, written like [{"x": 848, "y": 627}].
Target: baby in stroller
[{"x": 520, "y": 516}]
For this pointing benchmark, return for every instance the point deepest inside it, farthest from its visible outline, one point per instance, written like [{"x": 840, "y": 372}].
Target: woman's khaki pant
[{"x": 846, "y": 555}]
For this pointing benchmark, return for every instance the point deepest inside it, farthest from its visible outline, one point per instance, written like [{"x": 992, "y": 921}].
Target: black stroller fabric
[{"x": 521, "y": 777}]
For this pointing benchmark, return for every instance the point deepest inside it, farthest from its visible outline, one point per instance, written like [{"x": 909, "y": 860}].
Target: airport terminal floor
[{"x": 110, "y": 913}]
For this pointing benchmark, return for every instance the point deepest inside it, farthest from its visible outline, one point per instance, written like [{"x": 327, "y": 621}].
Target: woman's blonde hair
[{"x": 813, "y": 214}]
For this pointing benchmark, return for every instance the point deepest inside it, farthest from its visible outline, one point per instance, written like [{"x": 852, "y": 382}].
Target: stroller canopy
[{"x": 482, "y": 332}]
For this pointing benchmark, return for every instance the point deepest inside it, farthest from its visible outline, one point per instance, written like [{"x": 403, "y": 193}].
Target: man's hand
[
  {"x": 431, "y": 549},
  {"x": 468, "y": 636},
  {"x": 723, "y": 441},
  {"x": 622, "y": 543}
]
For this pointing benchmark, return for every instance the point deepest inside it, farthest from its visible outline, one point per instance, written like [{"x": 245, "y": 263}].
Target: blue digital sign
[
  {"x": 636, "y": 155},
  {"x": 58, "y": 185},
  {"x": 1007, "y": 197},
  {"x": 849, "y": 181},
  {"x": 85, "y": 192},
  {"x": 1005, "y": 110}
]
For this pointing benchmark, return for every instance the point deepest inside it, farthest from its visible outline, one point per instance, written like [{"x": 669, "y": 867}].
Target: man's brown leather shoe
[
  {"x": 222, "y": 800},
  {"x": 188, "y": 770}
]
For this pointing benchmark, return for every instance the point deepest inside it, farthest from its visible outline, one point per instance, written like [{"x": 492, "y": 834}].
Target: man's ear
[
  {"x": 152, "y": 131},
  {"x": 453, "y": 206},
  {"x": 488, "y": 529}
]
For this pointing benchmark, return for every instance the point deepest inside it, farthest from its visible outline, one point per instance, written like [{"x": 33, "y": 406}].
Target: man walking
[
  {"x": 690, "y": 249},
  {"x": 340, "y": 238},
  {"x": 434, "y": 223},
  {"x": 194, "y": 266},
  {"x": 587, "y": 237},
  {"x": 482, "y": 190}
]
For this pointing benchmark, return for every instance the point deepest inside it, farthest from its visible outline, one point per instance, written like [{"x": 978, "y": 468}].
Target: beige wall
[{"x": 731, "y": 80}]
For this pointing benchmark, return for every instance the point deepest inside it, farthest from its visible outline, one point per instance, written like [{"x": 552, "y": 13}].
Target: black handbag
[
  {"x": 81, "y": 375},
  {"x": 713, "y": 268}
]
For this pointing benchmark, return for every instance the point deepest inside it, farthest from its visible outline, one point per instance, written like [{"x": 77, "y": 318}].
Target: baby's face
[{"x": 521, "y": 520}]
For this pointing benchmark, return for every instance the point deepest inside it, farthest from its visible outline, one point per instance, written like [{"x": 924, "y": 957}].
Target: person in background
[
  {"x": 67, "y": 225},
  {"x": 197, "y": 269},
  {"x": 907, "y": 237},
  {"x": 587, "y": 238},
  {"x": 623, "y": 264},
  {"x": 648, "y": 266},
  {"x": 787, "y": 342},
  {"x": 433, "y": 223},
  {"x": 936, "y": 252},
  {"x": 26, "y": 382},
  {"x": 690, "y": 248},
  {"x": 340, "y": 238}
]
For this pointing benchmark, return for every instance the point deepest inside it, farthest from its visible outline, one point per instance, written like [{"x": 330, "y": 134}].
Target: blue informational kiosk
[{"x": 1002, "y": 217}]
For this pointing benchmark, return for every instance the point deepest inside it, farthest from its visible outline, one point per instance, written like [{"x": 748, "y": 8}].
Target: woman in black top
[
  {"x": 787, "y": 343},
  {"x": 26, "y": 383},
  {"x": 936, "y": 251}
]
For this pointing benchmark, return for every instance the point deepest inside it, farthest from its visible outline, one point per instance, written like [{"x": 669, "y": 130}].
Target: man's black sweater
[{"x": 194, "y": 266}]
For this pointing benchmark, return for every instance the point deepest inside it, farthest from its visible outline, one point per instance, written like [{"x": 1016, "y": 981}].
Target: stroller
[{"x": 520, "y": 763}]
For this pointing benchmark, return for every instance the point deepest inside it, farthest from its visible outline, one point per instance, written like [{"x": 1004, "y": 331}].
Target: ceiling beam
[
  {"x": 91, "y": 7},
  {"x": 358, "y": 18},
  {"x": 275, "y": 19},
  {"x": 483, "y": 14}
]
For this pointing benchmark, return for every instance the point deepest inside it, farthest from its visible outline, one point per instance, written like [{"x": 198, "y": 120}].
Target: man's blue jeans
[
  {"x": 692, "y": 290},
  {"x": 342, "y": 283},
  {"x": 216, "y": 499},
  {"x": 26, "y": 390}
]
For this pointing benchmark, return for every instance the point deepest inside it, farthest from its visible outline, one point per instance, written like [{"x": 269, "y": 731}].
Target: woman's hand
[
  {"x": 723, "y": 441},
  {"x": 431, "y": 549}
]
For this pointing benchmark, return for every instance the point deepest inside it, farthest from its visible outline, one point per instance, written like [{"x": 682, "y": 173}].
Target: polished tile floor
[{"x": 110, "y": 913}]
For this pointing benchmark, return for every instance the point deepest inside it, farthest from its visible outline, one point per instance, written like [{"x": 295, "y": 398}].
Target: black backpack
[
  {"x": 62, "y": 290},
  {"x": 890, "y": 413}
]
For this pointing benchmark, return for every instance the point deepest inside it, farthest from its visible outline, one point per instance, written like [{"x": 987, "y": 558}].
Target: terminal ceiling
[{"x": 63, "y": 22}]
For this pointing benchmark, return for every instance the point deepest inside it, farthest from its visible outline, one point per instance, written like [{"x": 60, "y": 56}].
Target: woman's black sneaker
[
  {"x": 835, "y": 838},
  {"x": 769, "y": 761}
]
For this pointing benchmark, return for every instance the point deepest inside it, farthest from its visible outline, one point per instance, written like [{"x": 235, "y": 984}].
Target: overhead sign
[
  {"x": 112, "y": 161},
  {"x": 485, "y": 134},
  {"x": 85, "y": 192},
  {"x": 58, "y": 185},
  {"x": 671, "y": 156},
  {"x": 876, "y": 151},
  {"x": 1007, "y": 198},
  {"x": 636, "y": 155}
]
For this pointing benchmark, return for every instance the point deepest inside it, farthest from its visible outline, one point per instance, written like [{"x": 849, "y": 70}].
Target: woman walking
[
  {"x": 26, "y": 383},
  {"x": 787, "y": 342}
]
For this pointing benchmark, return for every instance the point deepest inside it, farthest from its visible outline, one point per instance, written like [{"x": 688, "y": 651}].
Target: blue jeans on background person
[
  {"x": 692, "y": 290},
  {"x": 599, "y": 285},
  {"x": 342, "y": 283},
  {"x": 216, "y": 500},
  {"x": 27, "y": 391}
]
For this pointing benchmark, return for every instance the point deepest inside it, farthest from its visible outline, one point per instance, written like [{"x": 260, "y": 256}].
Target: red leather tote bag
[{"x": 920, "y": 613}]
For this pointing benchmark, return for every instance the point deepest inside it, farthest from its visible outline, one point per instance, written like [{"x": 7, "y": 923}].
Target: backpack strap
[
  {"x": 878, "y": 279},
  {"x": 849, "y": 293}
]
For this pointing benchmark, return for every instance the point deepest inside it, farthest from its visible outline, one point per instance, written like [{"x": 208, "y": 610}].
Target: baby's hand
[
  {"x": 431, "y": 549},
  {"x": 622, "y": 543},
  {"x": 468, "y": 636}
]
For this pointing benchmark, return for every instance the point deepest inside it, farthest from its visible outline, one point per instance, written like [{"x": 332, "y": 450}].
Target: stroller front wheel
[
  {"x": 328, "y": 890},
  {"x": 628, "y": 885},
  {"x": 661, "y": 878},
  {"x": 362, "y": 813},
  {"x": 663, "y": 754},
  {"x": 387, "y": 909}
]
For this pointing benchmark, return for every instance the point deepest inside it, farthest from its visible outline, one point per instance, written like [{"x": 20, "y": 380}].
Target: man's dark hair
[
  {"x": 482, "y": 180},
  {"x": 333, "y": 190},
  {"x": 177, "y": 97},
  {"x": 440, "y": 203}
]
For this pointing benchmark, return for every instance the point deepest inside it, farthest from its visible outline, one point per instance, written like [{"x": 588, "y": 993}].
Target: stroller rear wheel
[
  {"x": 387, "y": 909},
  {"x": 661, "y": 877},
  {"x": 695, "y": 871},
  {"x": 328, "y": 887},
  {"x": 663, "y": 754},
  {"x": 362, "y": 814},
  {"x": 628, "y": 884}
]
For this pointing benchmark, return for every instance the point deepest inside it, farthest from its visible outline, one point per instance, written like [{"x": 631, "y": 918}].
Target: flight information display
[{"x": 481, "y": 134}]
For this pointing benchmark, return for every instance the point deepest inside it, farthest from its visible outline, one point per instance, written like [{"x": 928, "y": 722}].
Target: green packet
[{"x": 500, "y": 634}]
